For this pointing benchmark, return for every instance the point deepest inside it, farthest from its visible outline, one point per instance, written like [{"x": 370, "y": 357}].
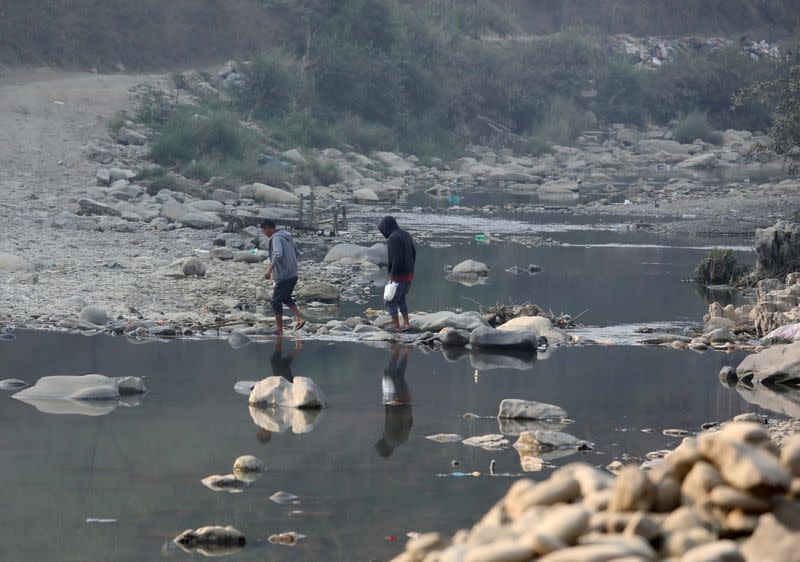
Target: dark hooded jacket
[{"x": 402, "y": 253}]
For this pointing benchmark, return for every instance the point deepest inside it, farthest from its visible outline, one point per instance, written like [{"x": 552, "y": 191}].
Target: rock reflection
[
  {"x": 398, "y": 415},
  {"x": 777, "y": 398},
  {"x": 516, "y": 360}
]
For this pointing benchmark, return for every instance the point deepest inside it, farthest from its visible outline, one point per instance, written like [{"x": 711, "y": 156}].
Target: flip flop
[{"x": 299, "y": 325}]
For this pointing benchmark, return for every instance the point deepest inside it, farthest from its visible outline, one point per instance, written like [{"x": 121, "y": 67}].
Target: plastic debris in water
[
  {"x": 453, "y": 200},
  {"x": 460, "y": 474},
  {"x": 99, "y": 520},
  {"x": 391, "y": 538},
  {"x": 480, "y": 238}
]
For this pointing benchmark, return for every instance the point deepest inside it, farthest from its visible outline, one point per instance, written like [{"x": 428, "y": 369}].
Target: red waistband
[{"x": 403, "y": 278}]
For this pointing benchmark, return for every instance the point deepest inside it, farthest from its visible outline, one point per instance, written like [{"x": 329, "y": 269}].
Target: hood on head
[
  {"x": 387, "y": 226},
  {"x": 280, "y": 233}
]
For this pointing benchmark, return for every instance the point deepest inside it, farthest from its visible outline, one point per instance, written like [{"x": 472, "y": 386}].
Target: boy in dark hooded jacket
[{"x": 402, "y": 255}]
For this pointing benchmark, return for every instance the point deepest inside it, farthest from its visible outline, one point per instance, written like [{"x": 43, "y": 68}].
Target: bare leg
[
  {"x": 395, "y": 322},
  {"x": 296, "y": 311},
  {"x": 279, "y": 324},
  {"x": 406, "y": 321}
]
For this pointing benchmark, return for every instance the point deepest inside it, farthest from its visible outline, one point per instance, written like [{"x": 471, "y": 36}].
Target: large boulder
[
  {"x": 541, "y": 325},
  {"x": 319, "y": 292},
  {"x": 470, "y": 267},
  {"x": 345, "y": 254},
  {"x": 654, "y": 146},
  {"x": 437, "y": 321},
  {"x": 277, "y": 391},
  {"x": 394, "y": 162},
  {"x": 776, "y": 365},
  {"x": 172, "y": 210},
  {"x": 11, "y": 263},
  {"x": 91, "y": 394},
  {"x": 209, "y": 205},
  {"x": 267, "y": 194},
  {"x": 94, "y": 315},
  {"x": 365, "y": 194},
  {"x": 92, "y": 207},
  {"x": 487, "y": 337},
  {"x": 777, "y": 246},
  {"x": 199, "y": 220},
  {"x": 563, "y": 189},
  {"x": 700, "y": 162},
  {"x": 193, "y": 266}
]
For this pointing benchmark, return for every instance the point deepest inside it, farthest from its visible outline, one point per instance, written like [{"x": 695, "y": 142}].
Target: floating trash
[
  {"x": 100, "y": 520},
  {"x": 460, "y": 474}
]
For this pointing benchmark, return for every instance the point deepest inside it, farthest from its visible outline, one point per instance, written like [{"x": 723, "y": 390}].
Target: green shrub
[
  {"x": 720, "y": 267},
  {"x": 191, "y": 134},
  {"x": 116, "y": 123},
  {"x": 364, "y": 135},
  {"x": 316, "y": 171},
  {"x": 272, "y": 84},
  {"x": 695, "y": 125},
  {"x": 620, "y": 96},
  {"x": 158, "y": 177},
  {"x": 706, "y": 81},
  {"x": 203, "y": 170},
  {"x": 563, "y": 122},
  {"x": 301, "y": 128}
]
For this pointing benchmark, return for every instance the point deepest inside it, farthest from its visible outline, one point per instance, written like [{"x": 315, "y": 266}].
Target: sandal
[{"x": 299, "y": 325}]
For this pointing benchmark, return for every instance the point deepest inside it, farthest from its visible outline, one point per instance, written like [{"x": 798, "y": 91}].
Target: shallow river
[
  {"x": 365, "y": 471},
  {"x": 117, "y": 484}
]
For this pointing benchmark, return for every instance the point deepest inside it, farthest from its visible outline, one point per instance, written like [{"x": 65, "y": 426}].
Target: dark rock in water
[
  {"x": 452, "y": 337},
  {"x": 533, "y": 269},
  {"x": 7, "y": 337},
  {"x": 512, "y": 408},
  {"x": 212, "y": 540},
  {"x": 662, "y": 339},
  {"x": 12, "y": 384},
  {"x": 486, "y": 337},
  {"x": 165, "y": 331},
  {"x": 727, "y": 376},
  {"x": 227, "y": 483}
]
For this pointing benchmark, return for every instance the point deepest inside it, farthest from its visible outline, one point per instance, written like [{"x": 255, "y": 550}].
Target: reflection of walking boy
[
  {"x": 282, "y": 366},
  {"x": 398, "y": 417},
  {"x": 283, "y": 267}
]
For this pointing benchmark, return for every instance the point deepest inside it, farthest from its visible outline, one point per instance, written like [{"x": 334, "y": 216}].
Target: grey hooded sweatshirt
[{"x": 283, "y": 256}]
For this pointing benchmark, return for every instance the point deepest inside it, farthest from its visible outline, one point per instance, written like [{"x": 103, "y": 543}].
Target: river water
[{"x": 118, "y": 483}]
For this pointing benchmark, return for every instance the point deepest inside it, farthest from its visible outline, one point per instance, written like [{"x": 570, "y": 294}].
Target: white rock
[{"x": 512, "y": 408}]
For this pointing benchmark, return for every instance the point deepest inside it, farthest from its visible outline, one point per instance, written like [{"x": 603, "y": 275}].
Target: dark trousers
[
  {"x": 398, "y": 303},
  {"x": 282, "y": 294}
]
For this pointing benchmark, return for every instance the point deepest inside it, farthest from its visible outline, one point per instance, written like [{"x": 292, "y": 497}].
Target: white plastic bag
[{"x": 389, "y": 291}]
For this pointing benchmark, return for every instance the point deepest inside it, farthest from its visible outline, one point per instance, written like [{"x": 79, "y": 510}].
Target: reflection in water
[
  {"x": 398, "y": 417},
  {"x": 276, "y": 419},
  {"x": 282, "y": 366},
  {"x": 517, "y": 360}
]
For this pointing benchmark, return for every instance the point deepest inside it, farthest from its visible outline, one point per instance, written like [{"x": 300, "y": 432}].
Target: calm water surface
[{"x": 364, "y": 473}]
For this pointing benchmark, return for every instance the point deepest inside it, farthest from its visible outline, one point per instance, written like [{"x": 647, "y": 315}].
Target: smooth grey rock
[
  {"x": 103, "y": 177},
  {"x": 452, "y": 337},
  {"x": 487, "y": 337},
  {"x": 128, "y": 136},
  {"x": 294, "y": 156},
  {"x": 493, "y": 442},
  {"x": 199, "y": 220},
  {"x": 470, "y": 267},
  {"x": 248, "y": 257},
  {"x": 277, "y": 391},
  {"x": 208, "y": 206},
  {"x": 512, "y": 408},
  {"x": 540, "y": 325},
  {"x": 94, "y": 315},
  {"x": 221, "y": 253},
  {"x": 437, "y": 321},
  {"x": 319, "y": 292},
  {"x": 223, "y": 483},
  {"x": 86, "y": 395},
  {"x": 779, "y": 364},
  {"x": 173, "y": 210},
  {"x": 377, "y": 254},
  {"x": 211, "y": 540},
  {"x": 92, "y": 207},
  {"x": 163, "y": 331},
  {"x": 193, "y": 266},
  {"x": 267, "y": 194},
  {"x": 10, "y": 263},
  {"x": 119, "y": 174},
  {"x": 225, "y": 196}
]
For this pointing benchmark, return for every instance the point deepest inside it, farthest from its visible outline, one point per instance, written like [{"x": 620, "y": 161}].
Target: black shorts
[{"x": 282, "y": 294}]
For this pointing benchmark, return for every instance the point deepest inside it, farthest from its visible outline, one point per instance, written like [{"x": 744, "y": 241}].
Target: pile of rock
[
  {"x": 654, "y": 51},
  {"x": 725, "y": 496}
]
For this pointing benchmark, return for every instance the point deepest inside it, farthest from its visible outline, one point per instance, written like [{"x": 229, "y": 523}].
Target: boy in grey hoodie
[{"x": 283, "y": 266}]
